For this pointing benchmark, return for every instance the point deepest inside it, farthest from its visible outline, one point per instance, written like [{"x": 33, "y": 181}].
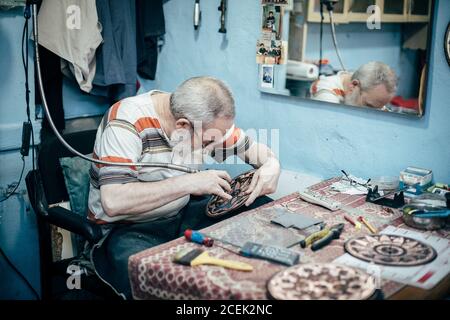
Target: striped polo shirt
[
  {"x": 329, "y": 88},
  {"x": 131, "y": 132}
]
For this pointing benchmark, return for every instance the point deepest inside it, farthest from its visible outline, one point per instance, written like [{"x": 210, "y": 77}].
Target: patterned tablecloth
[{"x": 154, "y": 275}]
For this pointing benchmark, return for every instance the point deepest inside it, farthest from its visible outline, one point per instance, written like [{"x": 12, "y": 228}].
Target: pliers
[{"x": 321, "y": 238}]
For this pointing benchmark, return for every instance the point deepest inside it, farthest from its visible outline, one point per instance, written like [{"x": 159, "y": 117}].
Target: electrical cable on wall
[
  {"x": 27, "y": 126},
  {"x": 25, "y": 44},
  {"x": 333, "y": 34},
  {"x": 25, "y": 135},
  {"x": 321, "y": 40},
  {"x": 330, "y": 7}
]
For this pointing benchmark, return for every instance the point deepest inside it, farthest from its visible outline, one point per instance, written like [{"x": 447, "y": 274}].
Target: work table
[{"x": 154, "y": 275}]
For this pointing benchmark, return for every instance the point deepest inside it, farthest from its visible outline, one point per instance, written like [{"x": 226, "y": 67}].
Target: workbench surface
[{"x": 154, "y": 275}]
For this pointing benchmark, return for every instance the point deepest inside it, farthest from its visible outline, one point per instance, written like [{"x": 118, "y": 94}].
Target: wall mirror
[{"x": 362, "y": 53}]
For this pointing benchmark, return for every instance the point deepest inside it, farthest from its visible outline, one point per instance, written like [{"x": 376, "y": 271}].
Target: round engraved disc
[
  {"x": 318, "y": 281},
  {"x": 218, "y": 206},
  {"x": 390, "y": 250}
]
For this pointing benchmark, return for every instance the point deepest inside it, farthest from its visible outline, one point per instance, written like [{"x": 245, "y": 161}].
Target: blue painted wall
[
  {"x": 316, "y": 138},
  {"x": 18, "y": 236}
]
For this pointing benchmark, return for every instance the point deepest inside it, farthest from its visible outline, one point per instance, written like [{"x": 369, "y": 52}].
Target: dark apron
[{"x": 109, "y": 256}]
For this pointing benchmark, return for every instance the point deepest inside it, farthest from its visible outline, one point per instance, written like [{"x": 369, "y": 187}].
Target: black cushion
[{"x": 50, "y": 169}]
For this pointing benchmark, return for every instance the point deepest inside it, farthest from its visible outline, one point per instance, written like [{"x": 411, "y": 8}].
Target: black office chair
[{"x": 46, "y": 186}]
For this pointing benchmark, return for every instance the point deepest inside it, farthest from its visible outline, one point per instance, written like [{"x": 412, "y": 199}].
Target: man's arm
[
  {"x": 265, "y": 179},
  {"x": 122, "y": 193},
  {"x": 139, "y": 197}
]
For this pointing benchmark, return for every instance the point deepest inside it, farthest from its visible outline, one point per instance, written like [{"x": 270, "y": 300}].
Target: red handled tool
[{"x": 197, "y": 237}]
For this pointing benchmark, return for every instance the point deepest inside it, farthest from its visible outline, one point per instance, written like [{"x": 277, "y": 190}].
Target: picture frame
[
  {"x": 272, "y": 21},
  {"x": 271, "y": 52},
  {"x": 267, "y": 76}
]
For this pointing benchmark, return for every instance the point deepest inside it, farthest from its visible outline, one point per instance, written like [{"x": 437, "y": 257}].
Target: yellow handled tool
[
  {"x": 314, "y": 237},
  {"x": 198, "y": 257},
  {"x": 367, "y": 224}
]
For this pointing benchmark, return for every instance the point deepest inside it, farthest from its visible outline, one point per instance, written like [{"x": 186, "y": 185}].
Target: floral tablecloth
[{"x": 153, "y": 275}]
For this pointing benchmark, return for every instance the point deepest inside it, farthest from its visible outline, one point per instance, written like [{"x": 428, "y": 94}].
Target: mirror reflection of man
[{"x": 373, "y": 85}]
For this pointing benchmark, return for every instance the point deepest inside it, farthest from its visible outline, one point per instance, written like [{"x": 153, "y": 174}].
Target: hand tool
[
  {"x": 197, "y": 14},
  {"x": 250, "y": 249},
  {"x": 367, "y": 224},
  {"x": 196, "y": 257},
  {"x": 334, "y": 233},
  {"x": 314, "y": 237},
  {"x": 197, "y": 237},
  {"x": 270, "y": 253},
  {"x": 223, "y": 11},
  {"x": 356, "y": 224}
]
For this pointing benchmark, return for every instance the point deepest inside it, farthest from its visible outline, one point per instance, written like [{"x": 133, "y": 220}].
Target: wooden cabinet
[
  {"x": 419, "y": 10},
  {"x": 340, "y": 12},
  {"x": 396, "y": 11},
  {"x": 357, "y": 10}
]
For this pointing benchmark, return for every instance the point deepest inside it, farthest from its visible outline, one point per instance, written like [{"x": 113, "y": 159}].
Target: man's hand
[
  {"x": 210, "y": 182},
  {"x": 265, "y": 180}
]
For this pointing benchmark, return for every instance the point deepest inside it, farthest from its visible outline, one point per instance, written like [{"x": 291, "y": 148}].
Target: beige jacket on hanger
[{"x": 71, "y": 30}]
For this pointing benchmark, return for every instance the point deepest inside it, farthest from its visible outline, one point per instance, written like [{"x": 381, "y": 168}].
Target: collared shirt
[{"x": 329, "y": 89}]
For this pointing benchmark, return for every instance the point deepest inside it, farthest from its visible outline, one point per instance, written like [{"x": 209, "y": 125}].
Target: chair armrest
[
  {"x": 72, "y": 222},
  {"x": 59, "y": 216}
]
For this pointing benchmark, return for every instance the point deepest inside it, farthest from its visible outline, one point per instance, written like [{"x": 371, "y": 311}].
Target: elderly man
[
  {"x": 373, "y": 85},
  {"x": 143, "y": 207}
]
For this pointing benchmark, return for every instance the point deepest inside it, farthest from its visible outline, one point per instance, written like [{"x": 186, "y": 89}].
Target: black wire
[
  {"x": 25, "y": 52},
  {"x": 25, "y": 65},
  {"x": 19, "y": 274},
  {"x": 321, "y": 35},
  {"x": 25, "y": 43}
]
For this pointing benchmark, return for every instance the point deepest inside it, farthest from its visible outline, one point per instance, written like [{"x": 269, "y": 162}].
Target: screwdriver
[
  {"x": 208, "y": 241},
  {"x": 198, "y": 237},
  {"x": 367, "y": 224}
]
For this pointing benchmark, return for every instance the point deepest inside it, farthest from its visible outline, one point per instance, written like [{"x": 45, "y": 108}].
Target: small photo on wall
[
  {"x": 278, "y": 2},
  {"x": 271, "y": 52},
  {"x": 272, "y": 21},
  {"x": 267, "y": 76},
  {"x": 262, "y": 49}
]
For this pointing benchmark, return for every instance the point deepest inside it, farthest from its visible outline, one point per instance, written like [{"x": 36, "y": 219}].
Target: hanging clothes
[
  {"x": 70, "y": 29},
  {"x": 150, "y": 26},
  {"x": 116, "y": 73}
]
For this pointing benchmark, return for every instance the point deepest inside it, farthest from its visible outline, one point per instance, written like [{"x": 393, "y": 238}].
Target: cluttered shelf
[{"x": 356, "y": 250}]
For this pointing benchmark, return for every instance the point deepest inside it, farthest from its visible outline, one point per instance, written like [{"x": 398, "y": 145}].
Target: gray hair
[
  {"x": 202, "y": 99},
  {"x": 375, "y": 73}
]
